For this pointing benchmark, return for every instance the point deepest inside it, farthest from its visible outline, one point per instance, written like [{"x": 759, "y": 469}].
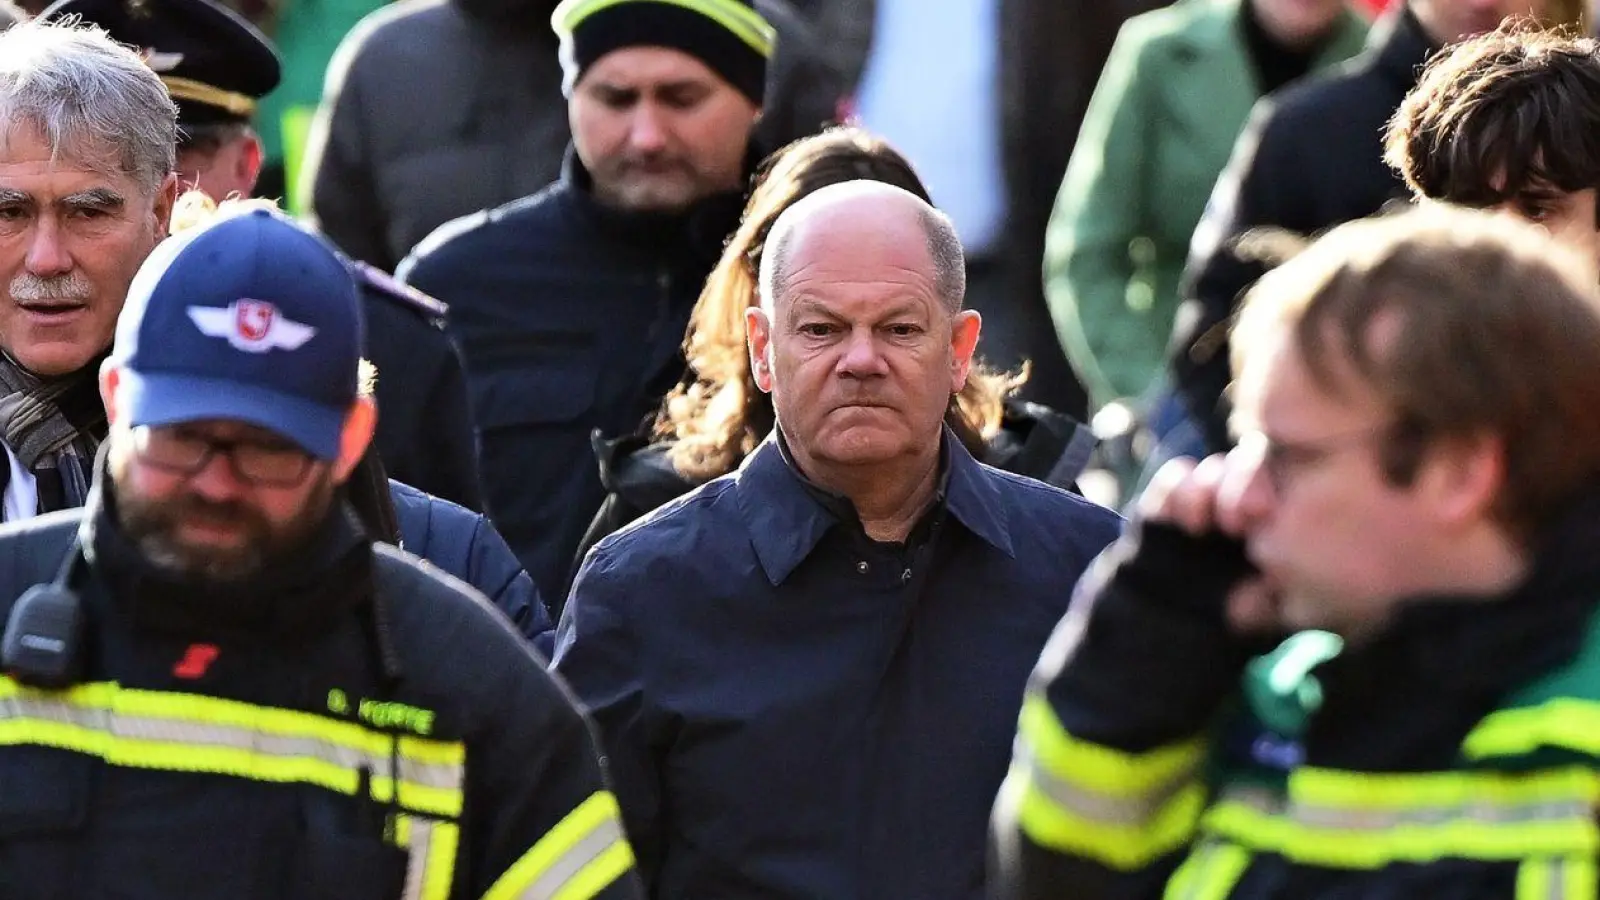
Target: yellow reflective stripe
[
  {"x": 1124, "y": 810},
  {"x": 610, "y": 865},
  {"x": 188, "y": 733},
  {"x": 111, "y": 697},
  {"x": 745, "y": 23},
  {"x": 1119, "y": 846},
  {"x": 575, "y": 860},
  {"x": 1210, "y": 873},
  {"x": 1565, "y": 722},
  {"x": 430, "y": 857},
  {"x": 1382, "y": 819},
  {"x": 1535, "y": 880},
  {"x": 1102, "y": 769},
  {"x": 441, "y": 861},
  {"x": 1557, "y": 878},
  {"x": 1482, "y": 794}
]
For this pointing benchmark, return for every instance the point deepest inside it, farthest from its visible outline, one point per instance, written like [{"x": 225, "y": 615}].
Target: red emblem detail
[
  {"x": 196, "y": 660},
  {"x": 254, "y": 319}
]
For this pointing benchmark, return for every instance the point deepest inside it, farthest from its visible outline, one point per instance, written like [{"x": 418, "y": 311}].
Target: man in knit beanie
[{"x": 570, "y": 306}]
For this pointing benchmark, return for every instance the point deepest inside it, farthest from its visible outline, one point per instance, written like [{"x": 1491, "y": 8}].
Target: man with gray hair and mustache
[{"x": 87, "y": 138}]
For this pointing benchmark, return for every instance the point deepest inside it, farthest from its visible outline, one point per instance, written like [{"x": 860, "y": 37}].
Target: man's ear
[
  {"x": 1461, "y": 478},
  {"x": 247, "y": 165},
  {"x": 758, "y": 331},
  {"x": 110, "y": 377},
  {"x": 964, "y": 330},
  {"x": 166, "y": 196},
  {"x": 359, "y": 425}
]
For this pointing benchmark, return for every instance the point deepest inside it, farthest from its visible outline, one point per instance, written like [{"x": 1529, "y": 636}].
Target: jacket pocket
[{"x": 341, "y": 867}]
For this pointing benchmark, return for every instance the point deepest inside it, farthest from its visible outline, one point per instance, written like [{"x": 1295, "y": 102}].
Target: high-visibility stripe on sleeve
[
  {"x": 1566, "y": 723},
  {"x": 1210, "y": 872},
  {"x": 1363, "y": 820},
  {"x": 747, "y": 24},
  {"x": 191, "y": 733},
  {"x": 1557, "y": 878},
  {"x": 1124, "y": 810},
  {"x": 577, "y": 859}
]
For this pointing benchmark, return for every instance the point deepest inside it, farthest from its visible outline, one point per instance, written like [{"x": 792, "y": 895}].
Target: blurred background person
[
  {"x": 717, "y": 416},
  {"x": 1509, "y": 121},
  {"x": 1312, "y": 157},
  {"x": 570, "y": 306},
  {"x": 985, "y": 97},
  {"x": 436, "y": 109},
  {"x": 1174, "y": 95}
]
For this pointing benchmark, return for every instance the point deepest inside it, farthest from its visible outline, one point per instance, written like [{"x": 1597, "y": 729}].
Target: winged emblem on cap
[
  {"x": 156, "y": 61},
  {"x": 254, "y": 326}
]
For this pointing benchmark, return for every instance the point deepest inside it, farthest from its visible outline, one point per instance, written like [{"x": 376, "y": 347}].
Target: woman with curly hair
[{"x": 717, "y": 416}]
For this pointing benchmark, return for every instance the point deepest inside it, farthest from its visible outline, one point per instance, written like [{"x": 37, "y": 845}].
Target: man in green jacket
[
  {"x": 1174, "y": 95},
  {"x": 1411, "y": 517}
]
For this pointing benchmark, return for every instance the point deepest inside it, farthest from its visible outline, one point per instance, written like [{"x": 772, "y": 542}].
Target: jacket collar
[
  {"x": 700, "y": 230},
  {"x": 1400, "y": 47},
  {"x": 786, "y": 519},
  {"x": 1219, "y": 26}
]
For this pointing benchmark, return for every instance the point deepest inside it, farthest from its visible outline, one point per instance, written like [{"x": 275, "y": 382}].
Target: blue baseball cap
[{"x": 248, "y": 318}]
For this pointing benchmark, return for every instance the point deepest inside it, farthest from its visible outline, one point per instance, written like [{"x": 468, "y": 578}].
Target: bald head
[{"x": 857, "y": 213}]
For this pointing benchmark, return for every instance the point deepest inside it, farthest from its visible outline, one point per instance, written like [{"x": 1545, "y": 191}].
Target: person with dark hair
[
  {"x": 1310, "y": 158},
  {"x": 716, "y": 417},
  {"x": 1509, "y": 121},
  {"x": 806, "y": 673},
  {"x": 1359, "y": 654}
]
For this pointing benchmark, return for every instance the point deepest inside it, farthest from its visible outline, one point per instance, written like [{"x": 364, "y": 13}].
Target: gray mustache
[{"x": 71, "y": 286}]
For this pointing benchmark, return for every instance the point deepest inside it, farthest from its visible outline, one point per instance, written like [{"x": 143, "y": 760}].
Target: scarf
[{"x": 54, "y": 427}]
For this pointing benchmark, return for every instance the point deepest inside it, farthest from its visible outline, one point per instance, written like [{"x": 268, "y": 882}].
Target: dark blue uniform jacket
[
  {"x": 464, "y": 544},
  {"x": 791, "y": 710},
  {"x": 570, "y": 317}
]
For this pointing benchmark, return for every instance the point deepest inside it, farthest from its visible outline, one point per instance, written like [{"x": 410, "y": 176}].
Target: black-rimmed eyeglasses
[{"x": 187, "y": 451}]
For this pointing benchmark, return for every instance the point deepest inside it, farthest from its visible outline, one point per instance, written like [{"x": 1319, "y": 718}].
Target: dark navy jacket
[
  {"x": 425, "y": 431},
  {"x": 793, "y": 711},
  {"x": 464, "y": 544},
  {"x": 570, "y": 317}
]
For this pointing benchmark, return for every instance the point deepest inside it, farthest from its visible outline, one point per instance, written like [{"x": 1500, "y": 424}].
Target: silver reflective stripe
[
  {"x": 1096, "y": 806},
  {"x": 1558, "y": 879},
  {"x": 1377, "y": 819},
  {"x": 417, "y": 858},
  {"x": 601, "y": 838},
  {"x": 1383, "y": 819},
  {"x": 202, "y": 735}
]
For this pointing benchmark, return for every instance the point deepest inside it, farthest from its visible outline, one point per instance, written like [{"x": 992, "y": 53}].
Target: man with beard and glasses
[
  {"x": 571, "y": 305},
  {"x": 86, "y": 187},
  {"x": 215, "y": 657}
]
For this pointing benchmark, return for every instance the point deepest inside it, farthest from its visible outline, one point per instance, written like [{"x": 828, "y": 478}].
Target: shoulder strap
[{"x": 396, "y": 291}]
